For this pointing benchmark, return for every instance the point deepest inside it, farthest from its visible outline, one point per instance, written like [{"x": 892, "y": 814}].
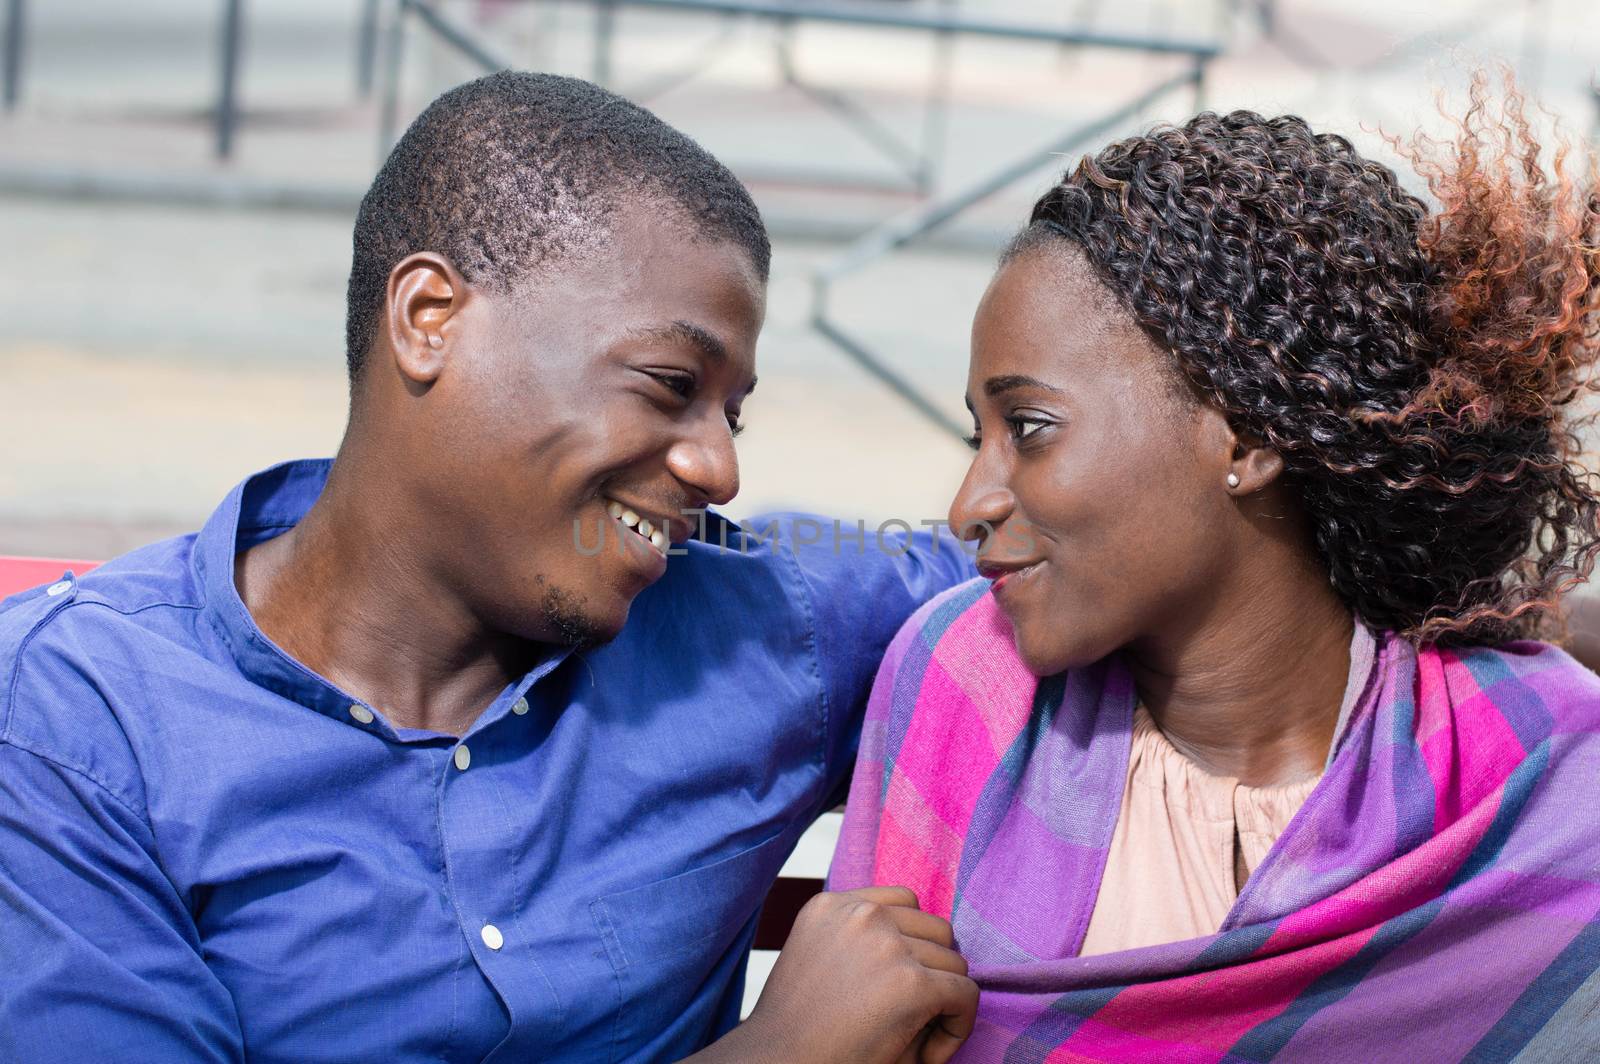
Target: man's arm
[
  {"x": 102, "y": 958},
  {"x": 865, "y": 977},
  {"x": 860, "y": 592}
]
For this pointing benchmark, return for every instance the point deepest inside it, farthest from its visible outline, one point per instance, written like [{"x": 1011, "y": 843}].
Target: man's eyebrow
[
  {"x": 681, "y": 332},
  {"x": 1012, "y": 381}
]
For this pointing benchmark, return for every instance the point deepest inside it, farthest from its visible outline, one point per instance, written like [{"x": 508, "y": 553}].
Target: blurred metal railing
[
  {"x": 916, "y": 163},
  {"x": 226, "y": 114},
  {"x": 230, "y": 50},
  {"x": 944, "y": 23},
  {"x": 11, "y": 54},
  {"x": 918, "y": 223}
]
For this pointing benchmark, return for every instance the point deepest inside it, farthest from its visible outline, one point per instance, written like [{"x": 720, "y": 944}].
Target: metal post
[
  {"x": 456, "y": 37},
  {"x": 605, "y": 28},
  {"x": 389, "y": 112},
  {"x": 935, "y": 116},
  {"x": 912, "y": 161},
  {"x": 13, "y": 53},
  {"x": 366, "y": 48},
  {"x": 1267, "y": 10},
  {"x": 898, "y": 232},
  {"x": 228, "y": 91}
]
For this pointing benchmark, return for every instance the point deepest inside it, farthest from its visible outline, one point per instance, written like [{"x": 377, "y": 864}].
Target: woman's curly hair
[{"x": 1414, "y": 368}]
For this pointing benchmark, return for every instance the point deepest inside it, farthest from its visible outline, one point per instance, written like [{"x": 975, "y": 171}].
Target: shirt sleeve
[
  {"x": 102, "y": 957},
  {"x": 863, "y": 583}
]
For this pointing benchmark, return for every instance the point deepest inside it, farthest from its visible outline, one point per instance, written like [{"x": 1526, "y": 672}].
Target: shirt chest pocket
[{"x": 672, "y": 943}]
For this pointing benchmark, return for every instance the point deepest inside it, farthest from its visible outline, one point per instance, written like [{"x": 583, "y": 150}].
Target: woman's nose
[{"x": 982, "y": 505}]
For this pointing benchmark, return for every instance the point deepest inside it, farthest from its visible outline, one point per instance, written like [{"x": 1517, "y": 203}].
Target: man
[{"x": 471, "y": 745}]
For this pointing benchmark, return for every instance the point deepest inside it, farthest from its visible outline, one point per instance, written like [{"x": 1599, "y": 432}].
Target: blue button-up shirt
[{"x": 208, "y": 852}]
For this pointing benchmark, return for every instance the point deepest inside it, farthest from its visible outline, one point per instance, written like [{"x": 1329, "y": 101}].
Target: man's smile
[{"x": 641, "y": 527}]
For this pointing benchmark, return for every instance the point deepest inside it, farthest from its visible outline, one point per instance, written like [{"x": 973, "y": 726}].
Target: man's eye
[{"x": 681, "y": 384}]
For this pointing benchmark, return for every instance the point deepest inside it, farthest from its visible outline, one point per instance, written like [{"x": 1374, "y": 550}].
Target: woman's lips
[{"x": 1005, "y": 576}]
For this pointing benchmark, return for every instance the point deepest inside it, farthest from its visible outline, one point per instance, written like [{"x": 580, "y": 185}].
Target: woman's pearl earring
[{"x": 1233, "y": 480}]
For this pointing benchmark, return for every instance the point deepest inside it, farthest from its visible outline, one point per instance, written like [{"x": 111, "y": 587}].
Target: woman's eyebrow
[{"x": 1012, "y": 381}]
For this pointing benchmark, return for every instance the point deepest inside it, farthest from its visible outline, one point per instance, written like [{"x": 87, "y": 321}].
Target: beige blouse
[{"x": 1185, "y": 841}]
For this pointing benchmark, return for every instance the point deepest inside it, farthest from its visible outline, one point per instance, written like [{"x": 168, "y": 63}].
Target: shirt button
[
  {"x": 58, "y": 588},
  {"x": 361, "y": 713},
  {"x": 463, "y": 759},
  {"x": 520, "y": 706},
  {"x": 492, "y": 936}
]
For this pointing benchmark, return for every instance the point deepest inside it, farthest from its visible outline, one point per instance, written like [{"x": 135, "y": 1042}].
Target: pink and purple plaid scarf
[{"x": 1437, "y": 898}]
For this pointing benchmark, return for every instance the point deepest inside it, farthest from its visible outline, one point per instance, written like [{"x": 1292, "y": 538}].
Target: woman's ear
[
  {"x": 1245, "y": 465},
  {"x": 1254, "y": 466},
  {"x": 425, "y": 294}
]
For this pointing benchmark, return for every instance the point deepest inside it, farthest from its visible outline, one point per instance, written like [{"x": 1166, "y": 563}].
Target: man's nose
[{"x": 706, "y": 463}]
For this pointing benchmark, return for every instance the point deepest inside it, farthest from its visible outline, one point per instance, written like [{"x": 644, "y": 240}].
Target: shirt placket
[{"x": 481, "y": 840}]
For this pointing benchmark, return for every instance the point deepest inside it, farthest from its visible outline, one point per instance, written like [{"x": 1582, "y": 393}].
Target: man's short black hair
[{"x": 505, "y": 173}]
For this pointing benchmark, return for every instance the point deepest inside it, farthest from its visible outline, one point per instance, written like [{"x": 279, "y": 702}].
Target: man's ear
[{"x": 425, "y": 295}]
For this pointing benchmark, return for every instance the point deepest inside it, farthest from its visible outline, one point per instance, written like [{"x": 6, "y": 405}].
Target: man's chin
[
  {"x": 588, "y": 637},
  {"x": 571, "y": 621}
]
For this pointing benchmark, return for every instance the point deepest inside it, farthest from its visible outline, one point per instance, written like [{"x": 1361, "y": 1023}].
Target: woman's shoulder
[
  {"x": 1529, "y": 657},
  {"x": 1527, "y": 671},
  {"x": 955, "y": 626},
  {"x": 934, "y": 619}
]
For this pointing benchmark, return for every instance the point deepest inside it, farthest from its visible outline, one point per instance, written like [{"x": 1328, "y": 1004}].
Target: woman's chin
[
  {"x": 1047, "y": 640},
  {"x": 1045, "y": 653},
  {"x": 1044, "y": 657}
]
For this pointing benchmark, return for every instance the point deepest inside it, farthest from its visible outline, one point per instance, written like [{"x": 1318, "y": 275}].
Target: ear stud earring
[{"x": 1233, "y": 480}]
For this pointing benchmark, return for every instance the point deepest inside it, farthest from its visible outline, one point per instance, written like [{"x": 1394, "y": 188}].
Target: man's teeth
[{"x": 657, "y": 537}]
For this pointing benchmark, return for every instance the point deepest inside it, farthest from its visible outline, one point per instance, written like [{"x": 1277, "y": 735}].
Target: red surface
[{"x": 19, "y": 574}]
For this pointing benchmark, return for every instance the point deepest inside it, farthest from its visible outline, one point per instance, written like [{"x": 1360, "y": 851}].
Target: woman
[{"x": 1243, "y": 749}]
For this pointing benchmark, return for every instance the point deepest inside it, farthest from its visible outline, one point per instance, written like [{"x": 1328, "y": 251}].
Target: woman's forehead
[{"x": 1047, "y": 315}]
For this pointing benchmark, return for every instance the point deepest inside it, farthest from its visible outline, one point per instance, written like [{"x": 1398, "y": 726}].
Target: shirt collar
[{"x": 268, "y": 504}]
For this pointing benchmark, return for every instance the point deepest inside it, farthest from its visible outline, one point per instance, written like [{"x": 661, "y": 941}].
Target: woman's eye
[
  {"x": 974, "y": 441},
  {"x": 1023, "y": 427},
  {"x": 734, "y": 427}
]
